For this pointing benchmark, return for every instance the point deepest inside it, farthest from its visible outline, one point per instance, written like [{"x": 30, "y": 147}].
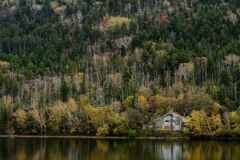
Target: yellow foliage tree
[
  {"x": 83, "y": 101},
  {"x": 113, "y": 21},
  {"x": 103, "y": 131},
  {"x": 60, "y": 9},
  {"x": 72, "y": 106},
  {"x": 4, "y": 64},
  {"x": 100, "y": 115},
  {"x": 26, "y": 88},
  {"x": 81, "y": 76},
  {"x": 128, "y": 102},
  {"x": 57, "y": 113},
  {"x": 21, "y": 117},
  {"x": 6, "y": 108},
  {"x": 127, "y": 60},
  {"x": 202, "y": 125},
  {"x": 216, "y": 108},
  {"x": 235, "y": 117},
  {"x": 198, "y": 123},
  {"x": 6, "y": 102},
  {"x": 142, "y": 103},
  {"x": 121, "y": 123},
  {"x": 216, "y": 125}
]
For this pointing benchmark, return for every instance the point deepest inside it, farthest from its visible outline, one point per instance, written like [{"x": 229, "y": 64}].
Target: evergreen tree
[{"x": 64, "y": 90}]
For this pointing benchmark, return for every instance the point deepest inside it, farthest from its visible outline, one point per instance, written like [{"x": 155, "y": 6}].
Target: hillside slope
[{"x": 64, "y": 63}]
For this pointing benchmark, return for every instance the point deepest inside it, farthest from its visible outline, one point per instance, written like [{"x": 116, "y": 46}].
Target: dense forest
[{"x": 112, "y": 67}]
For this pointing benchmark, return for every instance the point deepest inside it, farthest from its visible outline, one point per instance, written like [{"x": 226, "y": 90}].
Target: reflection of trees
[
  {"x": 210, "y": 150},
  {"x": 103, "y": 145},
  {"x": 74, "y": 149}
]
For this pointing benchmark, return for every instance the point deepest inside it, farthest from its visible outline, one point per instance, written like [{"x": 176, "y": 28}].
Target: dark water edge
[
  {"x": 67, "y": 148},
  {"x": 120, "y": 137},
  {"x": 91, "y": 137}
]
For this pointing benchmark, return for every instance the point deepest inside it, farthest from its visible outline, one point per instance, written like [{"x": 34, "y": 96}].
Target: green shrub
[{"x": 132, "y": 133}]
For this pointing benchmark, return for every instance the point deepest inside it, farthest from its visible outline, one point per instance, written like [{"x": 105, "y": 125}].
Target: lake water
[{"x": 91, "y": 149}]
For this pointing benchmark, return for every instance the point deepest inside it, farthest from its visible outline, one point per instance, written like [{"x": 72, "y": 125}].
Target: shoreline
[
  {"x": 113, "y": 137},
  {"x": 93, "y": 137}
]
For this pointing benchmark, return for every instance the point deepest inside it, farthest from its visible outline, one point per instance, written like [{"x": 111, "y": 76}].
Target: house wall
[{"x": 169, "y": 122}]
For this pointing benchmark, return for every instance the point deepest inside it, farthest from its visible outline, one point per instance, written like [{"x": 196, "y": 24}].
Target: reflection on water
[{"x": 82, "y": 149}]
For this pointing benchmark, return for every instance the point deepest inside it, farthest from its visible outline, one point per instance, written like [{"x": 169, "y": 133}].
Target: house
[{"x": 171, "y": 121}]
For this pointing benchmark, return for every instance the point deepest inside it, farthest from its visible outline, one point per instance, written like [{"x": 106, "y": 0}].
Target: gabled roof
[{"x": 174, "y": 114}]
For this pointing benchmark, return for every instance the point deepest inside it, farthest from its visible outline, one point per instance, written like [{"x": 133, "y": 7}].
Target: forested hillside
[{"x": 111, "y": 67}]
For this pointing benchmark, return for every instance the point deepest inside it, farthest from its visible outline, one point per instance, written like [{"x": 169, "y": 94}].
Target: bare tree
[
  {"x": 125, "y": 41},
  {"x": 231, "y": 62},
  {"x": 61, "y": 17},
  {"x": 79, "y": 16},
  {"x": 185, "y": 70}
]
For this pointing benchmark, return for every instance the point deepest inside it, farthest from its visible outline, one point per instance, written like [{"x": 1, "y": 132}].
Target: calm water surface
[{"x": 85, "y": 149}]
